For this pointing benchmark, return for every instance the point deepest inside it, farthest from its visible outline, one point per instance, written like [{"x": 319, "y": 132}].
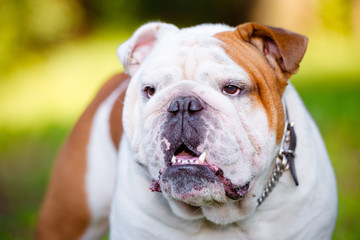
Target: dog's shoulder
[
  {"x": 116, "y": 86},
  {"x": 59, "y": 210}
]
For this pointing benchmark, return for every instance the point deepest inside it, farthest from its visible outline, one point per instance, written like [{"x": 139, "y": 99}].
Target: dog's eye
[
  {"x": 231, "y": 90},
  {"x": 149, "y": 91}
]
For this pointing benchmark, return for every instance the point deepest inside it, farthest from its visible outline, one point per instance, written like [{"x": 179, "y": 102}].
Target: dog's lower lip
[
  {"x": 232, "y": 191},
  {"x": 242, "y": 190}
]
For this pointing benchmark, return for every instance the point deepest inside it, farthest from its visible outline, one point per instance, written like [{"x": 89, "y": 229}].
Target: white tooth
[
  {"x": 173, "y": 160},
  {"x": 202, "y": 158},
  {"x": 196, "y": 162}
]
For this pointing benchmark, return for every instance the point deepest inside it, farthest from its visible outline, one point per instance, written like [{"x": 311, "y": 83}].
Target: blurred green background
[{"x": 55, "y": 54}]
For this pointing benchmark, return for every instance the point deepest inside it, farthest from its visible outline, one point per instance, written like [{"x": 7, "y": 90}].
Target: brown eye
[
  {"x": 231, "y": 90},
  {"x": 150, "y": 91}
]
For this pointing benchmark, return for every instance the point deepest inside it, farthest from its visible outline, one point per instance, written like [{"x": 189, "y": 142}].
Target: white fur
[
  {"x": 100, "y": 173},
  {"x": 199, "y": 66}
]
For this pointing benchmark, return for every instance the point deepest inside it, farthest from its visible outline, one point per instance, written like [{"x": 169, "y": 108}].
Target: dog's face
[{"x": 203, "y": 112}]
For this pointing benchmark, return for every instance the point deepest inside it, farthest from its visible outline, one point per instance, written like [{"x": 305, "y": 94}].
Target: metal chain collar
[{"x": 284, "y": 160}]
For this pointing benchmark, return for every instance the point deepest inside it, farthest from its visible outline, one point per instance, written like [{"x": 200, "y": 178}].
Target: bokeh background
[{"x": 55, "y": 54}]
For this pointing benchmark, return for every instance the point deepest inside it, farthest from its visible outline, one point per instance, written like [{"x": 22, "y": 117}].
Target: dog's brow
[{"x": 168, "y": 77}]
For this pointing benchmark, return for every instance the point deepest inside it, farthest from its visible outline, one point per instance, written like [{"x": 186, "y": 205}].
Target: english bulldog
[{"x": 217, "y": 144}]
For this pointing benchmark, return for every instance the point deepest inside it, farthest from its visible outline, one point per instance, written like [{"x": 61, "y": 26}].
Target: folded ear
[
  {"x": 286, "y": 47},
  {"x": 134, "y": 51}
]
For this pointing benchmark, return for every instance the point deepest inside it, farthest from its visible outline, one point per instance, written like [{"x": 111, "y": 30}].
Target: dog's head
[{"x": 203, "y": 112}]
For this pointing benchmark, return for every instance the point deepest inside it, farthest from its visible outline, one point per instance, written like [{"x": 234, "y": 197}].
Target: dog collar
[{"x": 285, "y": 158}]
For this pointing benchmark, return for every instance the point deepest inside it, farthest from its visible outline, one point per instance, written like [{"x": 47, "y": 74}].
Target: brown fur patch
[
  {"x": 116, "y": 129},
  {"x": 270, "y": 83},
  {"x": 65, "y": 213}
]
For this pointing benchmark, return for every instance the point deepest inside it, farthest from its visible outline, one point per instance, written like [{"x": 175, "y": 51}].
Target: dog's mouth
[{"x": 188, "y": 175}]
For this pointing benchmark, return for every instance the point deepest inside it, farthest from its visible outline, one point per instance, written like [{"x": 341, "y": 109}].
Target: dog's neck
[{"x": 285, "y": 158}]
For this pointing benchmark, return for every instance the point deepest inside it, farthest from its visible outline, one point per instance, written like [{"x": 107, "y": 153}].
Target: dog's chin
[
  {"x": 185, "y": 211},
  {"x": 229, "y": 212},
  {"x": 196, "y": 185},
  {"x": 220, "y": 213},
  {"x": 196, "y": 191}
]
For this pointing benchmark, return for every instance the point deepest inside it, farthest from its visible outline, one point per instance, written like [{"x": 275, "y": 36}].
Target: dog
[{"x": 202, "y": 137}]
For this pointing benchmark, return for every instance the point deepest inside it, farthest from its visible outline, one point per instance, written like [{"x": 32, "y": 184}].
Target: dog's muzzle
[{"x": 187, "y": 175}]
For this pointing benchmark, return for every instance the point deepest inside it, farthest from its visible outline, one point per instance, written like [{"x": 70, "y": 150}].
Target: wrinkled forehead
[
  {"x": 201, "y": 34},
  {"x": 198, "y": 40},
  {"x": 189, "y": 50}
]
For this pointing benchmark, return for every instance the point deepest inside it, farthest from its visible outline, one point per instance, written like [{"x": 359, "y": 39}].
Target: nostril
[
  {"x": 174, "y": 107},
  {"x": 195, "y": 105},
  {"x": 189, "y": 104}
]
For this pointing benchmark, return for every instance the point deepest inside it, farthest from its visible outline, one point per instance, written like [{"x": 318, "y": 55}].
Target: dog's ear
[
  {"x": 134, "y": 51},
  {"x": 285, "y": 47}
]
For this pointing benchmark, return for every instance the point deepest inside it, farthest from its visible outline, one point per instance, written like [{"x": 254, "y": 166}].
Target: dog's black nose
[
  {"x": 184, "y": 104},
  {"x": 185, "y": 124}
]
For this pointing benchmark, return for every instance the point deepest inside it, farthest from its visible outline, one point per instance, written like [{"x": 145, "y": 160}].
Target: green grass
[
  {"x": 26, "y": 160},
  {"x": 42, "y": 98}
]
